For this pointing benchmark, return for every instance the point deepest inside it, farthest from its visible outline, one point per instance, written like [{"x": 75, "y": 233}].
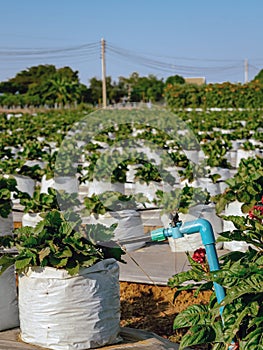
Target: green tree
[
  {"x": 95, "y": 87},
  {"x": 62, "y": 91},
  {"x": 145, "y": 88},
  {"x": 27, "y": 79},
  {"x": 259, "y": 77},
  {"x": 174, "y": 79},
  {"x": 119, "y": 90}
]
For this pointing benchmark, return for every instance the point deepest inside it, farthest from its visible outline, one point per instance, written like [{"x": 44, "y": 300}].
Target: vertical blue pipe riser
[{"x": 208, "y": 239}]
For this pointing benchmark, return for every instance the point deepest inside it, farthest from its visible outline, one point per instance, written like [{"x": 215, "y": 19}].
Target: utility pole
[
  {"x": 103, "y": 71},
  {"x": 246, "y": 71}
]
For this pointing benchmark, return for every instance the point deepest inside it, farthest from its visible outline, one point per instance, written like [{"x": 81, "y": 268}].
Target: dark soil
[{"x": 151, "y": 308}]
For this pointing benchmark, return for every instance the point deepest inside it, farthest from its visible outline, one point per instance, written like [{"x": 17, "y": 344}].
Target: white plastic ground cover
[
  {"x": 63, "y": 312},
  {"x": 6, "y": 225},
  {"x": 8, "y": 300}
]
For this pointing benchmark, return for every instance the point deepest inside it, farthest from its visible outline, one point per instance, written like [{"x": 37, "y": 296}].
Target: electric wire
[
  {"x": 156, "y": 62},
  {"x": 165, "y": 66},
  {"x": 46, "y": 51}
]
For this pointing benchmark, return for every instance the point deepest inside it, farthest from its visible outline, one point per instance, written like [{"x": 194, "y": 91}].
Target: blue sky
[{"x": 208, "y": 38}]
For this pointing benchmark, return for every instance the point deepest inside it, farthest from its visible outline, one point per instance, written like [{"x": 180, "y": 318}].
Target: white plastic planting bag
[
  {"x": 63, "y": 312},
  {"x": 130, "y": 227},
  {"x": 8, "y": 300},
  {"x": 185, "y": 243}
]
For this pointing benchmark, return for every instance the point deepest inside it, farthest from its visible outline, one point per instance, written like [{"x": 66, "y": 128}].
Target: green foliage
[
  {"x": 33, "y": 150},
  {"x": 47, "y": 85},
  {"x": 106, "y": 167},
  {"x": 220, "y": 95},
  {"x": 58, "y": 241},
  {"x": 246, "y": 186},
  {"x": 111, "y": 201},
  {"x": 17, "y": 166},
  {"x": 241, "y": 276},
  {"x": 259, "y": 77},
  {"x": 44, "y": 84},
  {"x": 53, "y": 199},
  {"x": 8, "y": 187},
  {"x": 175, "y": 79},
  {"x": 181, "y": 199},
  {"x": 147, "y": 172},
  {"x": 66, "y": 163},
  {"x": 215, "y": 151}
]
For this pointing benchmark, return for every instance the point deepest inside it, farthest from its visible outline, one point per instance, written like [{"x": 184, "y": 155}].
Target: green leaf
[
  {"x": 43, "y": 253},
  {"x": 253, "y": 339},
  {"x": 23, "y": 263},
  {"x": 73, "y": 270},
  {"x": 99, "y": 233},
  {"x": 6, "y": 261},
  {"x": 62, "y": 263},
  {"x": 253, "y": 284},
  {"x": 65, "y": 253},
  {"x": 66, "y": 228},
  {"x": 199, "y": 334},
  {"x": 232, "y": 327},
  {"x": 193, "y": 315}
]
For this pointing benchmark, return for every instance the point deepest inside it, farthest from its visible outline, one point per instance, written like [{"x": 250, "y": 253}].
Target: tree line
[{"x": 48, "y": 86}]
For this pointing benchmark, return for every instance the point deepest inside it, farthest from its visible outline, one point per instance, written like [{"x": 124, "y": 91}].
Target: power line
[
  {"x": 156, "y": 62},
  {"x": 47, "y": 51},
  {"x": 170, "y": 67}
]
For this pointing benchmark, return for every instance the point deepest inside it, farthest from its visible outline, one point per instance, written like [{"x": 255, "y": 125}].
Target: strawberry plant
[
  {"x": 7, "y": 189},
  {"x": 111, "y": 201},
  {"x": 67, "y": 159},
  {"x": 106, "y": 167},
  {"x": 17, "y": 166},
  {"x": 58, "y": 241},
  {"x": 215, "y": 152},
  {"x": 181, "y": 199},
  {"x": 42, "y": 202}
]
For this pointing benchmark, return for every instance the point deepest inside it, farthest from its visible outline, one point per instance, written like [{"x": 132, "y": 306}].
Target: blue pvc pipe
[
  {"x": 214, "y": 266},
  {"x": 205, "y": 229},
  {"x": 208, "y": 239},
  {"x": 199, "y": 225}
]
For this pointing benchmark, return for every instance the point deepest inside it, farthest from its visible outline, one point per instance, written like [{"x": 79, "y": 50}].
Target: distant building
[{"x": 197, "y": 81}]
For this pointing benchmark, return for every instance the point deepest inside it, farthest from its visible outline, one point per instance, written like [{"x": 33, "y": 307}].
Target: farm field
[{"x": 134, "y": 171}]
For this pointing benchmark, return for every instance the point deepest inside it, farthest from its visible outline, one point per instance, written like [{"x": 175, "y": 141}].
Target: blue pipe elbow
[{"x": 199, "y": 225}]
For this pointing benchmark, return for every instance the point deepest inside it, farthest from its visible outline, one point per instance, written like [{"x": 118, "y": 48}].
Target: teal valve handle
[{"x": 158, "y": 235}]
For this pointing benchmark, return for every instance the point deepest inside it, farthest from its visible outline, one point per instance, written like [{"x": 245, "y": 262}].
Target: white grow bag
[
  {"x": 8, "y": 300},
  {"x": 129, "y": 227},
  {"x": 63, "y": 312},
  {"x": 31, "y": 219},
  {"x": 68, "y": 184}
]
